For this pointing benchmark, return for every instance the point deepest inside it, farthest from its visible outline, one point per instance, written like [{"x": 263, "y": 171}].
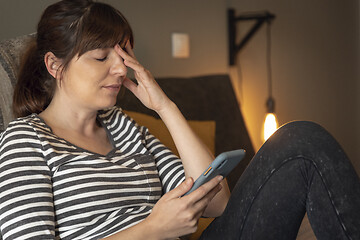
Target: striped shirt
[{"x": 52, "y": 189}]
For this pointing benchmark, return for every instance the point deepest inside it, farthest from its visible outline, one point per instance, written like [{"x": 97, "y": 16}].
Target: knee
[
  {"x": 302, "y": 127},
  {"x": 302, "y": 132},
  {"x": 308, "y": 140}
]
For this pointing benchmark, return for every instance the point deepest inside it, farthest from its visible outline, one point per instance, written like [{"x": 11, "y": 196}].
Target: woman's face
[{"x": 93, "y": 80}]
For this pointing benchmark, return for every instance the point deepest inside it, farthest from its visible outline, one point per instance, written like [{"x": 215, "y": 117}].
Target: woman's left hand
[{"x": 146, "y": 90}]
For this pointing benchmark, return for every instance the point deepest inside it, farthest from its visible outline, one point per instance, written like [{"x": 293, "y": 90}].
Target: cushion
[
  {"x": 9, "y": 65},
  {"x": 204, "y": 129}
]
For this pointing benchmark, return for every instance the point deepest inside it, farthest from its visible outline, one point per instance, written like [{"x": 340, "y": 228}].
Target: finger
[
  {"x": 129, "y": 49},
  {"x": 202, "y": 203},
  {"x": 180, "y": 190},
  {"x": 205, "y": 189},
  {"x": 124, "y": 54},
  {"x": 200, "y": 206},
  {"x": 130, "y": 85},
  {"x": 131, "y": 62},
  {"x": 134, "y": 65}
]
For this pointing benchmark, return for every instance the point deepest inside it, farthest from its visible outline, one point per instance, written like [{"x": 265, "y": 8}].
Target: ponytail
[{"x": 35, "y": 86}]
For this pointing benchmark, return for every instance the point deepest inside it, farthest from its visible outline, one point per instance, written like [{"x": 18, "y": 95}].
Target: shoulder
[
  {"x": 18, "y": 126},
  {"x": 114, "y": 116},
  {"x": 121, "y": 126},
  {"x": 110, "y": 114},
  {"x": 20, "y": 131}
]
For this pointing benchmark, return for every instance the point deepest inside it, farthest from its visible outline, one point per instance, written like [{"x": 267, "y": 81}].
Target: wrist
[
  {"x": 152, "y": 230},
  {"x": 167, "y": 109}
]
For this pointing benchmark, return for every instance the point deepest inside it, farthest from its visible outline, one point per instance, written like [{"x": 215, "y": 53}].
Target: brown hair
[{"x": 66, "y": 28}]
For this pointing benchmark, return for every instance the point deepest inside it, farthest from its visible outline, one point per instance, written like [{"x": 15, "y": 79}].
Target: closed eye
[{"x": 101, "y": 59}]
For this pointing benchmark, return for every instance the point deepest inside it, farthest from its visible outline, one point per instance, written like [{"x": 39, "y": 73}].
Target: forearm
[{"x": 193, "y": 153}]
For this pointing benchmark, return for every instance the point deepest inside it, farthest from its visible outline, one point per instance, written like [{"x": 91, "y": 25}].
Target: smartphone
[{"x": 223, "y": 164}]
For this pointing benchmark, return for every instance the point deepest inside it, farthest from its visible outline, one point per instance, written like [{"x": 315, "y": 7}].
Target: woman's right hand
[
  {"x": 146, "y": 89},
  {"x": 174, "y": 215}
]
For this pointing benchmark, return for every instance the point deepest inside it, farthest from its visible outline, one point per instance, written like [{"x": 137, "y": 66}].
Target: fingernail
[{"x": 220, "y": 178}]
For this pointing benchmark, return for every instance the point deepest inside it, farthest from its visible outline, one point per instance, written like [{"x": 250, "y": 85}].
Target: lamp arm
[{"x": 232, "y": 20}]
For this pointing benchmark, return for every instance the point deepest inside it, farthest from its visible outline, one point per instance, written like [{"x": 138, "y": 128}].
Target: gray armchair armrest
[{"x": 10, "y": 53}]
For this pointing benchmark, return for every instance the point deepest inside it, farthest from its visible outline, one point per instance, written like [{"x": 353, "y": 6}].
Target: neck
[{"x": 70, "y": 117}]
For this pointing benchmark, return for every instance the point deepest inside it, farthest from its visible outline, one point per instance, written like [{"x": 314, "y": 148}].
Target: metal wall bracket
[{"x": 260, "y": 18}]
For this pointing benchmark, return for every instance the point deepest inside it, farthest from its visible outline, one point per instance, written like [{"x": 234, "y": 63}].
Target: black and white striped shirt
[{"x": 52, "y": 189}]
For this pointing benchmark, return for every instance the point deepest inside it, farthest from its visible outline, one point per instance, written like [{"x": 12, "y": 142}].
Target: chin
[{"x": 106, "y": 105}]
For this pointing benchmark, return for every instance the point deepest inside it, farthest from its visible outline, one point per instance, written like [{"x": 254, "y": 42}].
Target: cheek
[
  {"x": 96, "y": 73},
  {"x": 87, "y": 75}
]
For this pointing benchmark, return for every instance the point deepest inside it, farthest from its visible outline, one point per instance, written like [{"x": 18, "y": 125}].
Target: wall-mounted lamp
[{"x": 270, "y": 124}]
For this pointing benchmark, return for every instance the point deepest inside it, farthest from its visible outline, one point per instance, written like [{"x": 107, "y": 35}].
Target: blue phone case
[{"x": 223, "y": 164}]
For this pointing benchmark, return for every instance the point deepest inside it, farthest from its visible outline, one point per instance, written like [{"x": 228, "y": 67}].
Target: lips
[{"x": 114, "y": 87}]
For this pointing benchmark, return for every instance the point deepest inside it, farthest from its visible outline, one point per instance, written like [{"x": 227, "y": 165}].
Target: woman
[{"x": 75, "y": 167}]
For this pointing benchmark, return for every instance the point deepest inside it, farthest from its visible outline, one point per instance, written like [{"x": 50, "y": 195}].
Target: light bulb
[{"x": 270, "y": 125}]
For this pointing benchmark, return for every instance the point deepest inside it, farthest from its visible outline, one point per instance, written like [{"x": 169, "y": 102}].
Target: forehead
[
  {"x": 96, "y": 42},
  {"x": 102, "y": 28}
]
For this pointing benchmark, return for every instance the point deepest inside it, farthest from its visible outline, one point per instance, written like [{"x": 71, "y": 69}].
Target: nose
[{"x": 117, "y": 67}]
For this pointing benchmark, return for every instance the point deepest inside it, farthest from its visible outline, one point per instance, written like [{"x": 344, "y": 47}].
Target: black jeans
[{"x": 300, "y": 168}]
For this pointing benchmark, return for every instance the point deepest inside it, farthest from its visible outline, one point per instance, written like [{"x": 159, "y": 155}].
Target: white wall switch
[{"x": 180, "y": 45}]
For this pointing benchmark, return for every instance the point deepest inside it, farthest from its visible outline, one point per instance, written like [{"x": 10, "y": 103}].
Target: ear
[{"x": 52, "y": 63}]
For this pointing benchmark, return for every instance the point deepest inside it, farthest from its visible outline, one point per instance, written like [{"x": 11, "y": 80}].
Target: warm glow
[{"x": 270, "y": 125}]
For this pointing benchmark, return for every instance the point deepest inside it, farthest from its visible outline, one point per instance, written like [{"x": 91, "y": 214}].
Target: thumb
[
  {"x": 130, "y": 85},
  {"x": 183, "y": 188}
]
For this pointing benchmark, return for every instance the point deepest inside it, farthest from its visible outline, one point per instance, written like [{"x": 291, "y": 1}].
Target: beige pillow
[{"x": 204, "y": 129}]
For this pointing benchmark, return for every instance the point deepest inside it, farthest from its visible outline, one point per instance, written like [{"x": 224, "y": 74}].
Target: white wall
[
  {"x": 154, "y": 21},
  {"x": 19, "y": 17},
  {"x": 315, "y": 50}
]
